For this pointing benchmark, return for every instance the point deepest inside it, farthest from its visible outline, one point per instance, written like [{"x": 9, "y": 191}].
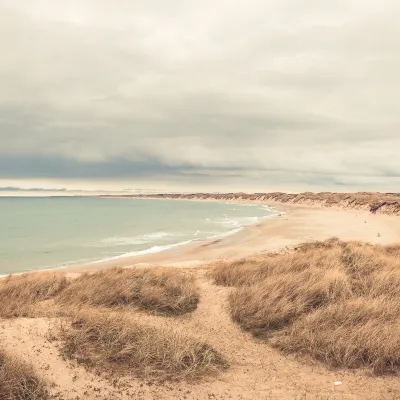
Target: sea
[{"x": 54, "y": 232}]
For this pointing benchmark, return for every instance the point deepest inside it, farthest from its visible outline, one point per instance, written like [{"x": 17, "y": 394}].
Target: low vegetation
[
  {"x": 351, "y": 334},
  {"x": 18, "y": 381},
  {"x": 161, "y": 290},
  {"x": 19, "y": 295},
  {"x": 113, "y": 342},
  {"x": 383, "y": 203},
  {"x": 335, "y": 301}
]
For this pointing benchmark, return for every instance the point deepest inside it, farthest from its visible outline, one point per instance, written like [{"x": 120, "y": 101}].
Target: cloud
[
  {"x": 241, "y": 94},
  {"x": 18, "y": 189}
]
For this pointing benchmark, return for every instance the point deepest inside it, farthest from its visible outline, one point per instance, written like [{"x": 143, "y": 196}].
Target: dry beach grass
[
  {"x": 160, "y": 290},
  {"x": 19, "y": 381},
  {"x": 114, "y": 342},
  {"x": 20, "y": 294},
  {"x": 335, "y": 301}
]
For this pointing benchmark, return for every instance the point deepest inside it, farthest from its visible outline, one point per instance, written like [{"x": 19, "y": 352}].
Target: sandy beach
[
  {"x": 256, "y": 370},
  {"x": 199, "y": 200},
  {"x": 297, "y": 224}
]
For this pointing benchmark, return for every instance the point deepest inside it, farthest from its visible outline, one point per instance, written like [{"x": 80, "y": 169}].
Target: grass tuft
[
  {"x": 351, "y": 334},
  {"x": 20, "y": 294},
  {"x": 274, "y": 303},
  {"x": 114, "y": 342},
  {"x": 18, "y": 381},
  {"x": 161, "y": 290}
]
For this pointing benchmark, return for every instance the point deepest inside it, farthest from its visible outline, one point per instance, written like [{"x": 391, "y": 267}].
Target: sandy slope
[{"x": 256, "y": 371}]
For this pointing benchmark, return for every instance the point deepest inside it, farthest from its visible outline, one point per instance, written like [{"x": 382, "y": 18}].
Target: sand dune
[
  {"x": 382, "y": 203},
  {"x": 255, "y": 370}
]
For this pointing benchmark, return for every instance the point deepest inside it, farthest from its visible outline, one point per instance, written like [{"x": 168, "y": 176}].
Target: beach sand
[{"x": 296, "y": 224}]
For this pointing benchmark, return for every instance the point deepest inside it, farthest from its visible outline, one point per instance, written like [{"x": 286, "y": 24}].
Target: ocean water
[{"x": 40, "y": 233}]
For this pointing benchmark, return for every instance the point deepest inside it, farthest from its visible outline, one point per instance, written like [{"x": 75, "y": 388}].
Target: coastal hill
[{"x": 382, "y": 203}]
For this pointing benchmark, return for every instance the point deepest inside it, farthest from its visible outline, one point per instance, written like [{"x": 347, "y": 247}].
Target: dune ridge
[{"x": 382, "y": 203}]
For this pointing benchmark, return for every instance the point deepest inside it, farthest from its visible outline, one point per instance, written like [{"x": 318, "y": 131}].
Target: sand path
[{"x": 256, "y": 370}]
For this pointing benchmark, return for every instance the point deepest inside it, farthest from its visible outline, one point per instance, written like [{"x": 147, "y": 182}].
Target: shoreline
[
  {"x": 296, "y": 224},
  {"x": 188, "y": 246},
  {"x": 121, "y": 260},
  {"x": 292, "y": 224}
]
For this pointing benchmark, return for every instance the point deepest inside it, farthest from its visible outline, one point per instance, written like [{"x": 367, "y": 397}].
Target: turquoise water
[{"x": 38, "y": 233}]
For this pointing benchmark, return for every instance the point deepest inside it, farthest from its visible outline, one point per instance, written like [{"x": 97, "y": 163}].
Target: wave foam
[
  {"x": 238, "y": 221},
  {"x": 135, "y": 240},
  {"x": 151, "y": 250}
]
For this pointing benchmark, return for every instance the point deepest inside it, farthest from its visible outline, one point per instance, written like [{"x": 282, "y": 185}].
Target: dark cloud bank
[{"x": 254, "y": 95}]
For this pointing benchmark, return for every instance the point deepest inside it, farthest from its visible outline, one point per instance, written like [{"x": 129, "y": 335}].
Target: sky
[{"x": 238, "y": 95}]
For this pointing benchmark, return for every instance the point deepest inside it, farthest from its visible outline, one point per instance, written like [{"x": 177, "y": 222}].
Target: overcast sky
[{"x": 200, "y": 95}]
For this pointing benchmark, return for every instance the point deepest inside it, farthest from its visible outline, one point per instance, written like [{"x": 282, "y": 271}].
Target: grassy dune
[
  {"x": 18, "y": 381},
  {"x": 382, "y": 203},
  {"x": 113, "y": 342},
  {"x": 334, "y": 301},
  {"x": 162, "y": 290},
  {"x": 19, "y": 295}
]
